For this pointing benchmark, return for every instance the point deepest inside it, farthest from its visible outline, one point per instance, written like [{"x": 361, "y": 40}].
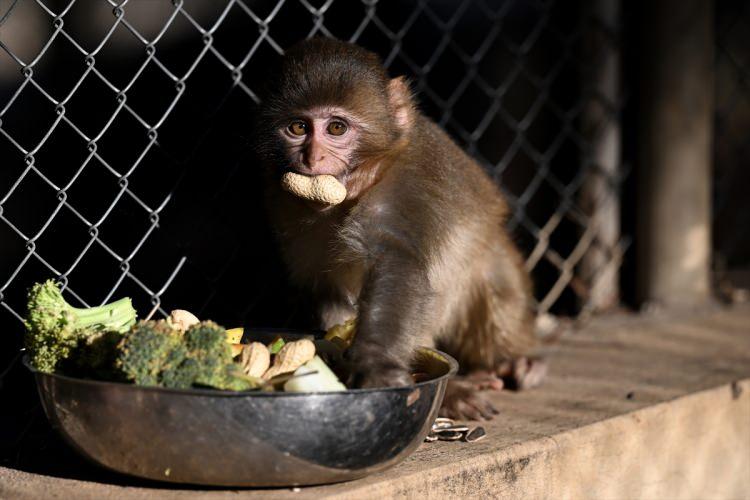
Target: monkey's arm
[{"x": 393, "y": 308}]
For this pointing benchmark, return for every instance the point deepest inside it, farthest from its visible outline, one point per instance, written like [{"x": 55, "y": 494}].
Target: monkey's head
[{"x": 330, "y": 108}]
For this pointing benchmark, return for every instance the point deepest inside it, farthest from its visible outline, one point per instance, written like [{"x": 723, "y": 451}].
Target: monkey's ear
[{"x": 400, "y": 97}]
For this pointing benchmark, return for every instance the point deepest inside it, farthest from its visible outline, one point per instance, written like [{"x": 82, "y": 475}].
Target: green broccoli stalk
[{"x": 54, "y": 328}]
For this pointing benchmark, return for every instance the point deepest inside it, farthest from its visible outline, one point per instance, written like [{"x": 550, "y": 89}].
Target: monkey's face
[
  {"x": 321, "y": 141},
  {"x": 329, "y": 108}
]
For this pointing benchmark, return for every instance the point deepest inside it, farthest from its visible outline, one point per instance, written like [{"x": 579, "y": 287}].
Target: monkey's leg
[
  {"x": 468, "y": 396},
  {"x": 485, "y": 380},
  {"x": 491, "y": 349},
  {"x": 462, "y": 401}
]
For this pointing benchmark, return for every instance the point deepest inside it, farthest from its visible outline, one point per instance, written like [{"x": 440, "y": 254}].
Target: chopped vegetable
[
  {"x": 154, "y": 354},
  {"x": 94, "y": 357},
  {"x": 178, "y": 352},
  {"x": 343, "y": 334},
  {"x": 54, "y": 328},
  {"x": 323, "y": 380},
  {"x": 275, "y": 346},
  {"x": 234, "y": 335},
  {"x": 206, "y": 343}
]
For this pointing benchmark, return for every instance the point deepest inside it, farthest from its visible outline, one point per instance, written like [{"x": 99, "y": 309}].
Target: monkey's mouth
[{"x": 339, "y": 173}]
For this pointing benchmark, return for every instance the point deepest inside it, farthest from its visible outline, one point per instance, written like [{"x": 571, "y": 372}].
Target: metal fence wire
[{"x": 98, "y": 127}]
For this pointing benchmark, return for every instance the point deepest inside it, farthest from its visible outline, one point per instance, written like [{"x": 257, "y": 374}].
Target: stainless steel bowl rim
[{"x": 452, "y": 363}]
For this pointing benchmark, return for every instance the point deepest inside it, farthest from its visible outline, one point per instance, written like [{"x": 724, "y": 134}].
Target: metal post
[
  {"x": 674, "y": 158},
  {"x": 600, "y": 194}
]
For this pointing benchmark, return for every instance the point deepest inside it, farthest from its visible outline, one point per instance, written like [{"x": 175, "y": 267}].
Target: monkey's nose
[
  {"x": 314, "y": 156},
  {"x": 317, "y": 163},
  {"x": 316, "y": 160}
]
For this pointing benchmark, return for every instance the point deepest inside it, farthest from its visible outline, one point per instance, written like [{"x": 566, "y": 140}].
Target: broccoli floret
[
  {"x": 207, "y": 345},
  {"x": 154, "y": 354},
  {"x": 235, "y": 380},
  {"x": 94, "y": 357},
  {"x": 150, "y": 350},
  {"x": 54, "y": 328},
  {"x": 181, "y": 376}
]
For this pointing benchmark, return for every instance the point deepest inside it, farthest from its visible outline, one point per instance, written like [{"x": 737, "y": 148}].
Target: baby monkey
[{"x": 417, "y": 250}]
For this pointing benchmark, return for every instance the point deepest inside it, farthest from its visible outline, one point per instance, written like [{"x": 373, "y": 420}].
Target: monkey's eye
[
  {"x": 298, "y": 128},
  {"x": 336, "y": 128}
]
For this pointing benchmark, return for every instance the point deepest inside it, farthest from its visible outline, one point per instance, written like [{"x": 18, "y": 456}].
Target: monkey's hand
[
  {"x": 388, "y": 379},
  {"x": 319, "y": 188},
  {"x": 369, "y": 374}
]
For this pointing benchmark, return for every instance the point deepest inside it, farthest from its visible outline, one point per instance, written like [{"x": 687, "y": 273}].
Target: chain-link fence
[
  {"x": 110, "y": 108},
  {"x": 732, "y": 147},
  {"x": 125, "y": 167}
]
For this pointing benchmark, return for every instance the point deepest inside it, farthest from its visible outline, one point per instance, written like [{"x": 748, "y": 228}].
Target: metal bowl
[{"x": 221, "y": 438}]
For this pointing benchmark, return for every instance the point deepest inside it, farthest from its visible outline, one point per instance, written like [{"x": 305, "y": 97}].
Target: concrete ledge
[{"x": 635, "y": 407}]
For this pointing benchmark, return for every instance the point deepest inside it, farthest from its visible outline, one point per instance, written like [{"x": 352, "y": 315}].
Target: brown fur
[{"x": 418, "y": 251}]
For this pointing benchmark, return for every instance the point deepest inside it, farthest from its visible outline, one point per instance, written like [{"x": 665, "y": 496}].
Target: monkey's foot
[
  {"x": 464, "y": 401},
  {"x": 523, "y": 373},
  {"x": 485, "y": 380}
]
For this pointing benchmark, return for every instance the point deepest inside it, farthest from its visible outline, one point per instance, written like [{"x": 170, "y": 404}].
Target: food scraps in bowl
[{"x": 181, "y": 351}]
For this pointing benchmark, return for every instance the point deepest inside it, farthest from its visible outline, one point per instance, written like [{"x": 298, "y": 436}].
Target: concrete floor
[{"x": 634, "y": 407}]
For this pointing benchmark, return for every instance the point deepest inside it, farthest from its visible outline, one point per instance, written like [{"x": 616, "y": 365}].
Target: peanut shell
[
  {"x": 290, "y": 357},
  {"x": 319, "y": 188},
  {"x": 181, "y": 320},
  {"x": 255, "y": 359}
]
